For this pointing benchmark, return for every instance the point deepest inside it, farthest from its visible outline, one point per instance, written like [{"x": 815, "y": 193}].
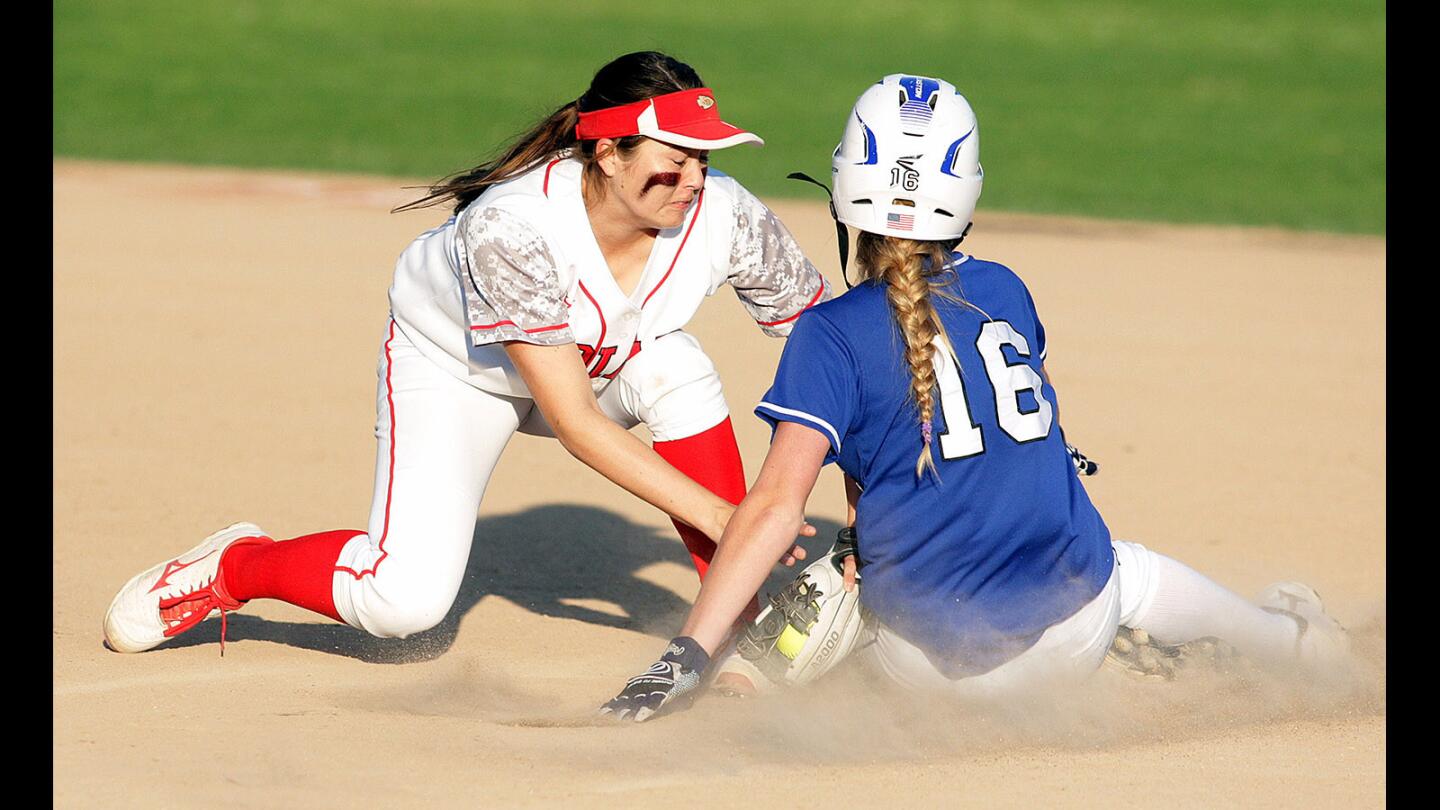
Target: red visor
[{"x": 688, "y": 118}]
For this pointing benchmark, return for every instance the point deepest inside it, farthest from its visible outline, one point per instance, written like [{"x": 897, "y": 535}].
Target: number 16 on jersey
[{"x": 962, "y": 437}]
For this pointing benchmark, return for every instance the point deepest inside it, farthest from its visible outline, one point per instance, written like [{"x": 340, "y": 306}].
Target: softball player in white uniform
[
  {"x": 987, "y": 570},
  {"x": 553, "y": 302}
]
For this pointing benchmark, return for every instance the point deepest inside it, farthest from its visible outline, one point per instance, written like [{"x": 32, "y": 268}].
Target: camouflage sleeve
[
  {"x": 769, "y": 272},
  {"x": 512, "y": 286}
]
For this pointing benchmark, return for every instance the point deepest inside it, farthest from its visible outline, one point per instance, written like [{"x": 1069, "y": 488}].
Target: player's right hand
[
  {"x": 668, "y": 684},
  {"x": 1083, "y": 465}
]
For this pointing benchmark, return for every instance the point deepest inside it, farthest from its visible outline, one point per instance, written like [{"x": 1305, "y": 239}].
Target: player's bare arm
[
  {"x": 557, "y": 380},
  {"x": 762, "y": 527}
]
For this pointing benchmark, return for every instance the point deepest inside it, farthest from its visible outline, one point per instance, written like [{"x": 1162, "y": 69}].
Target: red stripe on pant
[
  {"x": 712, "y": 460},
  {"x": 302, "y": 571}
]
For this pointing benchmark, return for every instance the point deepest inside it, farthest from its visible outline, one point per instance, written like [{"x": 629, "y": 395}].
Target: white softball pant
[
  {"x": 439, "y": 439},
  {"x": 1066, "y": 652},
  {"x": 1168, "y": 599}
]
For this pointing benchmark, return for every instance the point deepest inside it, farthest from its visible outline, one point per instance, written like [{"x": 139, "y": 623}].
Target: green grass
[{"x": 1226, "y": 112}]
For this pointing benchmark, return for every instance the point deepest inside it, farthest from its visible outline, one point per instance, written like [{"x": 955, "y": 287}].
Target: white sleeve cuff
[{"x": 792, "y": 415}]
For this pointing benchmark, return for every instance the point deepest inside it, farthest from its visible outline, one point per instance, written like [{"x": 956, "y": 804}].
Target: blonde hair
[{"x": 915, "y": 273}]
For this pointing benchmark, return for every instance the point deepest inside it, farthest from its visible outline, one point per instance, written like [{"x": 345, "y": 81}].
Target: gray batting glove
[
  {"x": 667, "y": 685},
  {"x": 1083, "y": 465}
]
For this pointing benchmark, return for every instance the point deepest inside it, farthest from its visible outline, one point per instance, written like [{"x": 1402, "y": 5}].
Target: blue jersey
[{"x": 973, "y": 565}]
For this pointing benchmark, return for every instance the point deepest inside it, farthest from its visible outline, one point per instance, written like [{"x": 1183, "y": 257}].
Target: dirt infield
[{"x": 215, "y": 344}]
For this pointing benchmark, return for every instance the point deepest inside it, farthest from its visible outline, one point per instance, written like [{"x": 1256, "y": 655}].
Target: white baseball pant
[
  {"x": 1171, "y": 601},
  {"x": 439, "y": 439}
]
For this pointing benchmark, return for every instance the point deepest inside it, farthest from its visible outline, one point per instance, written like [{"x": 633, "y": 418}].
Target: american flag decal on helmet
[{"x": 901, "y": 222}]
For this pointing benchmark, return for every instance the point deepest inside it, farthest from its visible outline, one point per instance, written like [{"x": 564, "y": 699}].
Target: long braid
[{"x": 902, "y": 264}]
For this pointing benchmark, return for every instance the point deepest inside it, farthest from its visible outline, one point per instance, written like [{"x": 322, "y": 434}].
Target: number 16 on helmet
[{"x": 908, "y": 164}]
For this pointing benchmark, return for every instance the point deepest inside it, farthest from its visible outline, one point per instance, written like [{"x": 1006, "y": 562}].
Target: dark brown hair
[{"x": 629, "y": 78}]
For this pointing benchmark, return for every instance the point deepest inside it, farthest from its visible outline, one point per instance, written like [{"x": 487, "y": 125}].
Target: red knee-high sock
[
  {"x": 712, "y": 460},
  {"x": 298, "y": 571}
]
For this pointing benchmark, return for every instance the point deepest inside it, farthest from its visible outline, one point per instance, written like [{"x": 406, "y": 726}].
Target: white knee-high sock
[{"x": 1174, "y": 603}]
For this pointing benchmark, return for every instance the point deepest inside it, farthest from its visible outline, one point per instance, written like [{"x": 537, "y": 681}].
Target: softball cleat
[
  {"x": 176, "y": 595},
  {"x": 1322, "y": 643}
]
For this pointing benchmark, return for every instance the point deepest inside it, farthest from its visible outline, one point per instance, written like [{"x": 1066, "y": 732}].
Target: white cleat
[
  {"x": 176, "y": 595},
  {"x": 1322, "y": 644}
]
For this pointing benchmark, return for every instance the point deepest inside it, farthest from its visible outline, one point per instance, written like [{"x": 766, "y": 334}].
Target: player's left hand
[{"x": 668, "y": 684}]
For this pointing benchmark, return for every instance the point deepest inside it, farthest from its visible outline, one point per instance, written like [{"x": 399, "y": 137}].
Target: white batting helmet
[{"x": 908, "y": 164}]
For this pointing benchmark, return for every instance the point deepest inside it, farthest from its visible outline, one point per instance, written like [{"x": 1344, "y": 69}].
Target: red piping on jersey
[
  {"x": 390, "y": 476},
  {"x": 699, "y": 200},
  {"x": 601, "y": 313},
  {"x": 545, "y": 188},
  {"x": 498, "y": 324},
  {"x": 818, "y": 293}
]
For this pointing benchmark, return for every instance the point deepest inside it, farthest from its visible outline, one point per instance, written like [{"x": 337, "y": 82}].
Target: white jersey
[{"x": 521, "y": 263}]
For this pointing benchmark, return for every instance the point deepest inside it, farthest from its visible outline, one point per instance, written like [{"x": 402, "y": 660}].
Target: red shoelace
[{"x": 183, "y": 612}]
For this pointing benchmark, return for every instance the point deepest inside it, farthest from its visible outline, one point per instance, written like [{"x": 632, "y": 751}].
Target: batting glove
[
  {"x": 1083, "y": 465},
  {"x": 671, "y": 681}
]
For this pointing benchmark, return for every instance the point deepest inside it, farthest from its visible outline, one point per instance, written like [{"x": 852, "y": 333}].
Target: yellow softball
[{"x": 790, "y": 642}]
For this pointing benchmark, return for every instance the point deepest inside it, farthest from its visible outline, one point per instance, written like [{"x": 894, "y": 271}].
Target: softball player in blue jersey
[{"x": 987, "y": 571}]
